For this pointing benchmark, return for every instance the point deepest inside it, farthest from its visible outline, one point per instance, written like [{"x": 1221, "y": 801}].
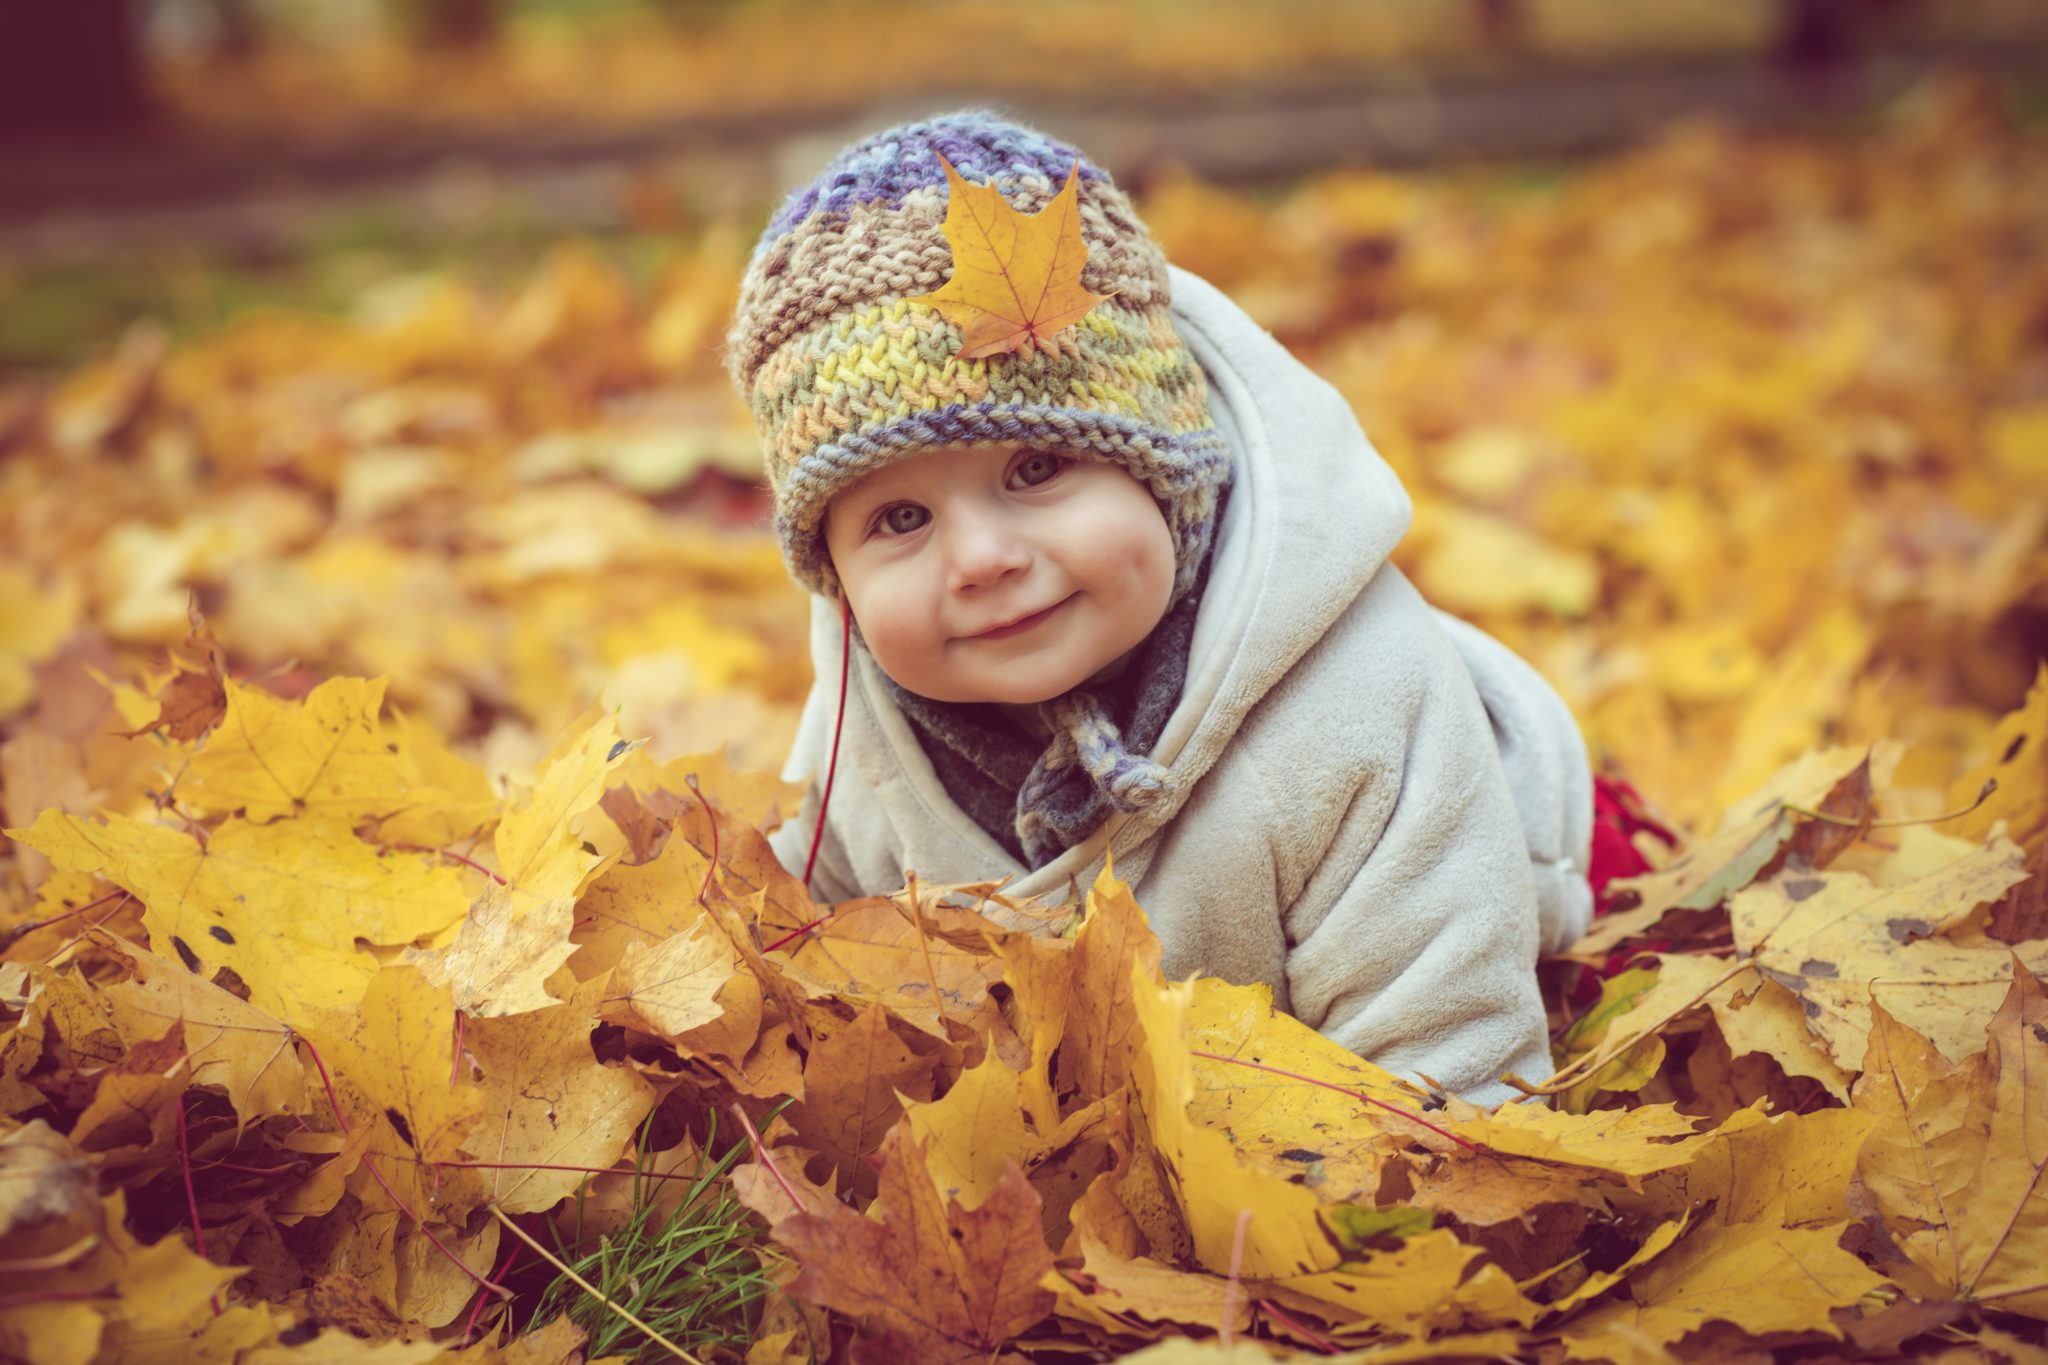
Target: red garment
[{"x": 1617, "y": 814}]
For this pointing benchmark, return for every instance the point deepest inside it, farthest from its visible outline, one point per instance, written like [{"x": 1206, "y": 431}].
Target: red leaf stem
[
  {"x": 1358, "y": 1095},
  {"x": 452, "y": 854},
  {"x": 797, "y": 933},
  {"x": 761, "y": 1155},
  {"x": 504, "y": 1269},
  {"x": 690, "y": 781},
  {"x": 191, "y": 1194},
  {"x": 377, "y": 1175},
  {"x": 455, "y": 1068},
  {"x": 68, "y": 914},
  {"x": 1296, "y": 1326}
]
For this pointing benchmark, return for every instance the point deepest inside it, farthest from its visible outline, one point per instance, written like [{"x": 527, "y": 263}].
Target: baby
[{"x": 1126, "y": 591}]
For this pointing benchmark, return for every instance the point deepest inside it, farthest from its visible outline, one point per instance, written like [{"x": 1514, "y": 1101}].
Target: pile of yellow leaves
[
  {"x": 344, "y": 1014},
  {"x": 321, "y": 989}
]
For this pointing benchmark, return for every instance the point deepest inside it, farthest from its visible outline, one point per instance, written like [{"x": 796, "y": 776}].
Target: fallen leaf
[
  {"x": 397, "y": 1053},
  {"x": 852, "y": 1079},
  {"x": 1114, "y": 947},
  {"x": 671, "y": 988},
  {"x": 517, "y": 932},
  {"x": 285, "y": 905},
  {"x": 230, "y": 1043},
  {"x": 928, "y": 1281},
  {"x": 271, "y": 757},
  {"x": 1016, "y": 277},
  {"x": 1958, "y": 1161},
  {"x": 1837, "y": 942},
  {"x": 548, "y": 1102},
  {"x": 1761, "y": 1276}
]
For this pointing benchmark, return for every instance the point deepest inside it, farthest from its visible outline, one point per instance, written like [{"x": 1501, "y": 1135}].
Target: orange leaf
[
  {"x": 928, "y": 1282},
  {"x": 1016, "y": 276}
]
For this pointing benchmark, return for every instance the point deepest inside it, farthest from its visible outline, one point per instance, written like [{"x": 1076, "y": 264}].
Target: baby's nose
[{"x": 983, "y": 554}]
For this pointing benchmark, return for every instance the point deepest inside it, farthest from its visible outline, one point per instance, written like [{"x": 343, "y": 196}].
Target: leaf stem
[
  {"x": 2010, "y": 1293},
  {"x": 477, "y": 1311},
  {"x": 832, "y": 769},
  {"x": 761, "y": 1155},
  {"x": 192, "y": 1195},
  {"x": 678, "y": 1352},
  {"x": 1231, "y": 1286},
  {"x": 1592, "y": 1061},
  {"x": 30, "y": 928},
  {"x": 711, "y": 819},
  {"x": 797, "y": 932},
  {"x": 377, "y": 1175},
  {"x": 1296, "y": 1326},
  {"x": 455, "y": 1067},
  {"x": 1358, "y": 1095},
  {"x": 68, "y": 944},
  {"x": 452, "y": 854},
  {"x": 543, "y": 1166},
  {"x": 1983, "y": 795},
  {"x": 54, "y": 1260}
]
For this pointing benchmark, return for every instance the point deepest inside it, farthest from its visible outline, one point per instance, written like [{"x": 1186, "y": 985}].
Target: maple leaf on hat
[{"x": 1016, "y": 276}]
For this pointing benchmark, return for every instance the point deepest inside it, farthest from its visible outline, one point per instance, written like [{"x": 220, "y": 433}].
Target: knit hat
[{"x": 845, "y": 372}]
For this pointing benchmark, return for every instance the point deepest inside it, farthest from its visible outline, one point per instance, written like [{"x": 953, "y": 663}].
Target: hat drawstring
[{"x": 832, "y": 768}]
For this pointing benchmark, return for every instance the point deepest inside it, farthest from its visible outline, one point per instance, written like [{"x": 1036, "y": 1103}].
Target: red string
[{"x": 824, "y": 801}]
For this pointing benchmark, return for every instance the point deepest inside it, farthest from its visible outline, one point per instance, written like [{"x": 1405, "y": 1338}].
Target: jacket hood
[{"x": 1313, "y": 513}]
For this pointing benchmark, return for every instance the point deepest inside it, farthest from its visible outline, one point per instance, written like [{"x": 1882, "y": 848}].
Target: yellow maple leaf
[
  {"x": 1016, "y": 276},
  {"x": 1956, "y": 1162},
  {"x": 2017, "y": 763},
  {"x": 395, "y": 1056},
  {"x": 1273, "y": 1118},
  {"x": 517, "y": 932},
  {"x": 1762, "y": 1276},
  {"x": 1838, "y": 942},
  {"x": 1210, "y": 1181},
  {"x": 548, "y": 1102},
  {"x": 672, "y": 987},
  {"x": 288, "y": 905},
  {"x": 229, "y": 1042},
  {"x": 272, "y": 757}
]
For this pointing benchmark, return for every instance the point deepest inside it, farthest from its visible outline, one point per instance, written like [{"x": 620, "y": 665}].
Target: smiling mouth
[{"x": 1022, "y": 623}]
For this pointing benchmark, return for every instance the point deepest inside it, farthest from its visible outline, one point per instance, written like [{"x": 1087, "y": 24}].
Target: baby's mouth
[{"x": 1023, "y": 623}]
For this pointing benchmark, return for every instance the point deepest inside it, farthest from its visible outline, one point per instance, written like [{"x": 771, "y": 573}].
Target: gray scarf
[{"x": 1038, "y": 799}]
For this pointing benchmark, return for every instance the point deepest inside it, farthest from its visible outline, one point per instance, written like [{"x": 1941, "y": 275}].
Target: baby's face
[{"x": 937, "y": 550}]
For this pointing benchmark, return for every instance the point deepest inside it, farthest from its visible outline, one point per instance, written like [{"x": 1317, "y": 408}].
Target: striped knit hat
[{"x": 844, "y": 373}]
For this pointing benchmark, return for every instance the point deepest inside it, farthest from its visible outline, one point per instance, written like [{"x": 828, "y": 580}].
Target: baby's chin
[{"x": 1023, "y": 686}]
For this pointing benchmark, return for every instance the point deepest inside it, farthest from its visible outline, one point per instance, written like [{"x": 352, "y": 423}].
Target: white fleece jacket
[{"x": 1379, "y": 810}]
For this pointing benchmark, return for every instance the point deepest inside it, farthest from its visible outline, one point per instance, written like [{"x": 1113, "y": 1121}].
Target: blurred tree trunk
[
  {"x": 1819, "y": 35},
  {"x": 455, "y": 25},
  {"x": 70, "y": 66}
]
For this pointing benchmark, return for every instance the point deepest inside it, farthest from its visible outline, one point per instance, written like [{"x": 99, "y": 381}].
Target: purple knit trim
[
  {"x": 1172, "y": 463},
  {"x": 981, "y": 144}
]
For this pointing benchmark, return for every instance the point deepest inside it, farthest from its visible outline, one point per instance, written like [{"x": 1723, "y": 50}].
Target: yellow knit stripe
[{"x": 872, "y": 372}]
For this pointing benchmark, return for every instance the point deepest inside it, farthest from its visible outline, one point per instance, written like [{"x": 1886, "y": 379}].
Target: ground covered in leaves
[{"x": 352, "y": 954}]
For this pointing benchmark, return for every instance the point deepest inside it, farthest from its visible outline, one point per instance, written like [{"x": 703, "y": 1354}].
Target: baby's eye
[
  {"x": 900, "y": 519},
  {"x": 1039, "y": 466}
]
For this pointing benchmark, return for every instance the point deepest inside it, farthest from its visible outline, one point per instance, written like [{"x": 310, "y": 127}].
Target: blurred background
[{"x": 1710, "y": 335}]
